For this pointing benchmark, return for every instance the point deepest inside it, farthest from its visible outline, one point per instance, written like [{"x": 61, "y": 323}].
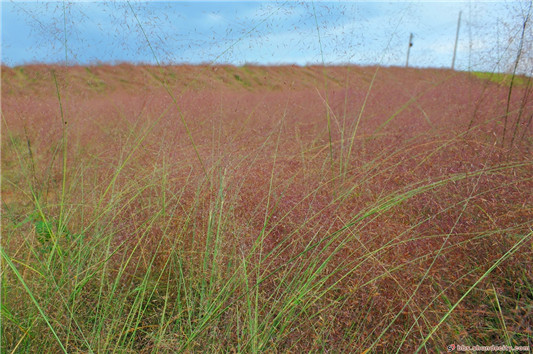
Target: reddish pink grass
[{"x": 270, "y": 124}]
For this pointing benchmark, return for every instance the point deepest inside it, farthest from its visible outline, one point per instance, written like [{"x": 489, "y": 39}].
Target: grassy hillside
[{"x": 280, "y": 209}]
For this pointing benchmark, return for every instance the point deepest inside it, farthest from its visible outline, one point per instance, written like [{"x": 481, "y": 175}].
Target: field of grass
[
  {"x": 503, "y": 79},
  {"x": 250, "y": 209}
]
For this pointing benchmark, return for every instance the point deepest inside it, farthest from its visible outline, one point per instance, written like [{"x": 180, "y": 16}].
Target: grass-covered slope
[{"x": 280, "y": 209}]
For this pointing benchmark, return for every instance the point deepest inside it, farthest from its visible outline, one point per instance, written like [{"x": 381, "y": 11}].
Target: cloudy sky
[{"x": 274, "y": 32}]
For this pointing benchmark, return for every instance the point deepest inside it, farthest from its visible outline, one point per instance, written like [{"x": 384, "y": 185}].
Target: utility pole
[
  {"x": 409, "y": 49},
  {"x": 456, "y": 40},
  {"x": 498, "y": 44}
]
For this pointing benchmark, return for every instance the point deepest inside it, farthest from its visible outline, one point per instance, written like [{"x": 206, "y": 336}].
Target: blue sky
[{"x": 275, "y": 32}]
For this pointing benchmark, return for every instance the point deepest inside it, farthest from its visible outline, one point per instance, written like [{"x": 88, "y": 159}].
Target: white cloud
[{"x": 214, "y": 17}]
